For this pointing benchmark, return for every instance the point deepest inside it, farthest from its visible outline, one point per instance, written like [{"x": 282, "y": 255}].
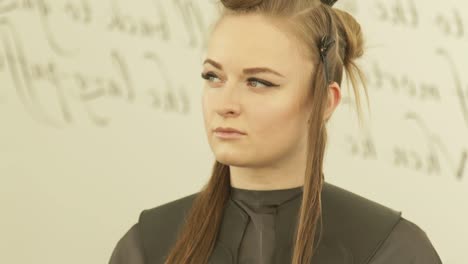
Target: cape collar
[{"x": 340, "y": 240}]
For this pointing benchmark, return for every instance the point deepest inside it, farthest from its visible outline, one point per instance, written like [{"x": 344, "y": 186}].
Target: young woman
[{"x": 273, "y": 73}]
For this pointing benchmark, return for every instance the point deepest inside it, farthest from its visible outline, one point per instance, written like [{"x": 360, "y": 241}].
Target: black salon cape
[{"x": 258, "y": 228}]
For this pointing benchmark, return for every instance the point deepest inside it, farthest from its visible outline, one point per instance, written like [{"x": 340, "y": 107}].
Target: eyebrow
[{"x": 245, "y": 71}]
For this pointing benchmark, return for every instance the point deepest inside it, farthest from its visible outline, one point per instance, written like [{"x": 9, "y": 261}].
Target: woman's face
[{"x": 269, "y": 107}]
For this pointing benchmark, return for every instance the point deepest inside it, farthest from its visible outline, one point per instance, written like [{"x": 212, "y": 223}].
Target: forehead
[{"x": 254, "y": 40}]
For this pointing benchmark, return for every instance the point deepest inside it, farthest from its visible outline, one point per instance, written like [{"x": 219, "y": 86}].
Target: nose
[{"x": 228, "y": 103}]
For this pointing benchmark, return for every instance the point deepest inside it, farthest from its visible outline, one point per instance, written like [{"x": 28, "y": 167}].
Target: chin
[
  {"x": 231, "y": 160},
  {"x": 227, "y": 160}
]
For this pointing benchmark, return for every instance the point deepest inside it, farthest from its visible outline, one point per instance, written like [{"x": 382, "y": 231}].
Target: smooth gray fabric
[
  {"x": 258, "y": 241},
  {"x": 406, "y": 243}
]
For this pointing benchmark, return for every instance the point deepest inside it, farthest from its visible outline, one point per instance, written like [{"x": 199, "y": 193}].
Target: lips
[{"x": 228, "y": 130}]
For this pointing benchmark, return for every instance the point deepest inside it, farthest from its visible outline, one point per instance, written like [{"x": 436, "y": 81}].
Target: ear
[{"x": 334, "y": 98}]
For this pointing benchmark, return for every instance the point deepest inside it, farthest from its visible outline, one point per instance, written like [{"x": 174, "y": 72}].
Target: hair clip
[
  {"x": 329, "y": 2},
  {"x": 325, "y": 44}
]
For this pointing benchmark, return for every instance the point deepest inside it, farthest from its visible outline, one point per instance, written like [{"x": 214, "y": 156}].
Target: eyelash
[{"x": 210, "y": 74}]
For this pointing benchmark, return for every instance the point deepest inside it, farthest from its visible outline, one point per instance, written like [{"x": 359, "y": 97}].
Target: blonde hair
[{"x": 308, "y": 21}]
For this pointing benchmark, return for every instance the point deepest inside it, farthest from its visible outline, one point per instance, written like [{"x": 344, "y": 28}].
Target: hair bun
[
  {"x": 350, "y": 31},
  {"x": 241, "y": 4}
]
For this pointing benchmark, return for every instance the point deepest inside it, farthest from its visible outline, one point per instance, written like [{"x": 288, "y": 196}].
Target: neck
[{"x": 265, "y": 179}]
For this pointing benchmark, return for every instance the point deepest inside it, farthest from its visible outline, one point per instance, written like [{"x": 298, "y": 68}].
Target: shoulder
[
  {"x": 407, "y": 243},
  {"x": 354, "y": 225},
  {"x": 158, "y": 226},
  {"x": 372, "y": 232},
  {"x": 169, "y": 212},
  {"x": 128, "y": 249},
  {"x": 344, "y": 208}
]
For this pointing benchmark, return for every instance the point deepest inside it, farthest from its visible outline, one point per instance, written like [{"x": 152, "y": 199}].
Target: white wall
[{"x": 100, "y": 105}]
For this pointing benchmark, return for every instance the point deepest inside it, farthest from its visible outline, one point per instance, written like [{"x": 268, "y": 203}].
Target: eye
[
  {"x": 257, "y": 82},
  {"x": 208, "y": 76},
  {"x": 265, "y": 83}
]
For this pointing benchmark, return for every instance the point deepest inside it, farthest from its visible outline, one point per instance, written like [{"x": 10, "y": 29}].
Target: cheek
[
  {"x": 277, "y": 124},
  {"x": 205, "y": 104}
]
